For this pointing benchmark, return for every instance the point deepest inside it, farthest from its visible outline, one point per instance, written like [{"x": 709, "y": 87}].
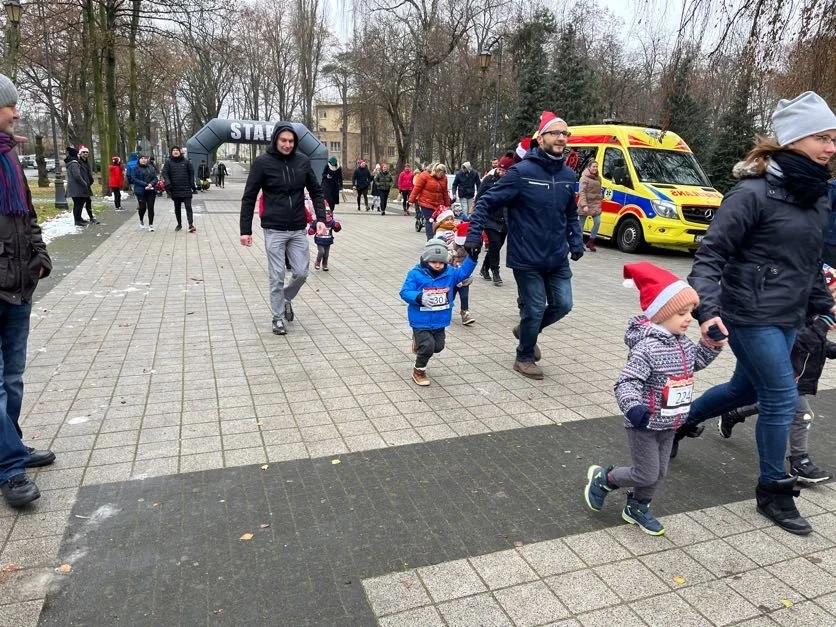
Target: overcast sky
[{"x": 664, "y": 13}]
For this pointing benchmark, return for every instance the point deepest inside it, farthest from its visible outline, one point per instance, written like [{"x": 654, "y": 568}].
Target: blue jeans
[
  {"x": 596, "y": 224},
  {"x": 763, "y": 374},
  {"x": 544, "y": 298},
  {"x": 428, "y": 226},
  {"x": 14, "y": 333}
]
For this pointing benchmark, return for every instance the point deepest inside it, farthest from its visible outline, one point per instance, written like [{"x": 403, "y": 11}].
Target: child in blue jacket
[{"x": 428, "y": 291}]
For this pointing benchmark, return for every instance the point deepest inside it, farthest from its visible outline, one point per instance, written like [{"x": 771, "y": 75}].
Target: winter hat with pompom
[{"x": 661, "y": 293}]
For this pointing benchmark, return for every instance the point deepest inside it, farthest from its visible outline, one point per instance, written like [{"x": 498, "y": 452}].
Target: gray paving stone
[
  {"x": 396, "y": 592},
  {"x": 477, "y": 610},
  {"x": 504, "y": 568},
  {"x": 717, "y": 601},
  {"x": 804, "y": 576},
  {"x": 597, "y": 547},
  {"x": 720, "y": 558},
  {"x": 551, "y": 558},
  {"x": 531, "y": 604},
  {"x": 21, "y": 614},
  {"x": 802, "y": 615},
  {"x": 763, "y": 590},
  {"x": 582, "y": 591},
  {"x": 630, "y": 579},
  {"x": 451, "y": 580},
  {"x": 424, "y": 616},
  {"x": 668, "y": 609},
  {"x": 676, "y": 563},
  {"x": 760, "y": 547},
  {"x": 617, "y": 615}
]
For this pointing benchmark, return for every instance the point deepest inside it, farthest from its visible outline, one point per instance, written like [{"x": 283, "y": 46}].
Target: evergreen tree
[
  {"x": 528, "y": 46},
  {"x": 734, "y": 136},
  {"x": 686, "y": 116},
  {"x": 574, "y": 82}
]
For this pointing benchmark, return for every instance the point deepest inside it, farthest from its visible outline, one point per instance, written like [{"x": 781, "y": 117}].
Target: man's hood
[
  {"x": 640, "y": 327},
  {"x": 134, "y": 156},
  {"x": 280, "y": 127}
]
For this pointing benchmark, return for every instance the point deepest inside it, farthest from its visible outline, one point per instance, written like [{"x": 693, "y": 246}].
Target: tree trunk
[
  {"x": 43, "y": 179},
  {"x": 95, "y": 38},
  {"x": 132, "y": 81},
  {"x": 110, "y": 86}
]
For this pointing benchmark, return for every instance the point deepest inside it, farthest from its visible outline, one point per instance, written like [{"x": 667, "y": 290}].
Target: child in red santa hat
[
  {"x": 445, "y": 228},
  {"x": 654, "y": 391}
]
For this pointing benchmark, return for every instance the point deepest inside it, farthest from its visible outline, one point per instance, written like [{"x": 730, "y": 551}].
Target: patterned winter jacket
[
  {"x": 455, "y": 253},
  {"x": 656, "y": 355}
]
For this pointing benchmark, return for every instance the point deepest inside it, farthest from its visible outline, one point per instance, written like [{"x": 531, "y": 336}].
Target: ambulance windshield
[{"x": 672, "y": 167}]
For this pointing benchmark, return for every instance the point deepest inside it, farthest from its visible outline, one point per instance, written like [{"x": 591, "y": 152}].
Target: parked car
[
  {"x": 50, "y": 165},
  {"x": 27, "y": 161}
]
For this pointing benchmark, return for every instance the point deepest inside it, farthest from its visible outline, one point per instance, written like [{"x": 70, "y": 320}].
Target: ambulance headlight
[{"x": 665, "y": 209}]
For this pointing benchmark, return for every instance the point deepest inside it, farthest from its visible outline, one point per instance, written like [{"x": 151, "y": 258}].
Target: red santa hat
[
  {"x": 441, "y": 214},
  {"x": 522, "y": 148},
  {"x": 461, "y": 233},
  {"x": 547, "y": 120},
  {"x": 82, "y": 148},
  {"x": 661, "y": 293}
]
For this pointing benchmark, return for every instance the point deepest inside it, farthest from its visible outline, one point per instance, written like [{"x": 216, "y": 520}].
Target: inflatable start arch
[{"x": 220, "y": 131}]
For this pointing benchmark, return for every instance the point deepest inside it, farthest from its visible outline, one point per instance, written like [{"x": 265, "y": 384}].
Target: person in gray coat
[{"x": 79, "y": 183}]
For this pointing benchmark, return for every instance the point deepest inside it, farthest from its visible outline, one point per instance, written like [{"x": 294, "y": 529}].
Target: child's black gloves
[{"x": 639, "y": 416}]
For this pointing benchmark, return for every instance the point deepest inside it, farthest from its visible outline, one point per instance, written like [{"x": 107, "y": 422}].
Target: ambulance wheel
[{"x": 629, "y": 238}]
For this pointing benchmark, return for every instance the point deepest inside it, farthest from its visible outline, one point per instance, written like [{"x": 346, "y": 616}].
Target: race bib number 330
[{"x": 435, "y": 299}]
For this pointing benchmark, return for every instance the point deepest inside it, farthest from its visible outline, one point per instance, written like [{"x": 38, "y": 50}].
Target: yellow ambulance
[{"x": 654, "y": 190}]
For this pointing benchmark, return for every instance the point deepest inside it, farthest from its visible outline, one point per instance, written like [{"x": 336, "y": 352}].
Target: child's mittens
[
  {"x": 311, "y": 230},
  {"x": 639, "y": 416},
  {"x": 337, "y": 226}
]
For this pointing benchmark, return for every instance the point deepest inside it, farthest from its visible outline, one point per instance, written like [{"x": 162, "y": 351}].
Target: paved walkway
[{"x": 154, "y": 358}]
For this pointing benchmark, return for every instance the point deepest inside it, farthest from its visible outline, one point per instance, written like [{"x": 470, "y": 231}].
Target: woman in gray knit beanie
[{"x": 758, "y": 273}]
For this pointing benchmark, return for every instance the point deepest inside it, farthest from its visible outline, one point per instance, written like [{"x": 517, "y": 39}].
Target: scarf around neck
[
  {"x": 804, "y": 179},
  {"x": 13, "y": 201}
]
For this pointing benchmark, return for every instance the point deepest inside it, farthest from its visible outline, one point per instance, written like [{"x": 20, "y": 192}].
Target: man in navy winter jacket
[
  {"x": 543, "y": 232},
  {"x": 829, "y": 253}
]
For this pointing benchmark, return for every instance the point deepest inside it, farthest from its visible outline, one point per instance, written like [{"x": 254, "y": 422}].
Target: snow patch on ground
[{"x": 60, "y": 225}]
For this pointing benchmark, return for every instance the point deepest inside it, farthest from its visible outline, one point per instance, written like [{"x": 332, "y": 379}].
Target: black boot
[
  {"x": 497, "y": 280},
  {"x": 685, "y": 431},
  {"x": 775, "y": 501}
]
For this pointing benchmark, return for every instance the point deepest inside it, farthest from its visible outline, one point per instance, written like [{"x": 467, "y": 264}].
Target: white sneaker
[
  {"x": 141, "y": 226},
  {"x": 150, "y": 227}
]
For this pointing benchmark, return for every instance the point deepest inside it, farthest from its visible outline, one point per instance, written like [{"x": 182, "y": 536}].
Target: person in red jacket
[
  {"x": 116, "y": 181},
  {"x": 405, "y": 187}
]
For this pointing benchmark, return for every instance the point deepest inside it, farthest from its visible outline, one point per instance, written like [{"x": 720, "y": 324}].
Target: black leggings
[
  {"x": 365, "y": 194},
  {"x": 405, "y": 200},
  {"x": 495, "y": 241},
  {"x": 177, "y": 203},
  {"x": 117, "y": 197},
  {"x": 146, "y": 203},
  {"x": 384, "y": 198}
]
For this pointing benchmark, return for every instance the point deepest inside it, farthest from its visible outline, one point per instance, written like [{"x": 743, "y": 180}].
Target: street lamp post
[
  {"x": 60, "y": 193},
  {"x": 485, "y": 58},
  {"x": 13, "y": 12}
]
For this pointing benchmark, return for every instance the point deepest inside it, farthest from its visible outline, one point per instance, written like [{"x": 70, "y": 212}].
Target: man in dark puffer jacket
[
  {"x": 283, "y": 174},
  {"x": 24, "y": 259},
  {"x": 178, "y": 174}
]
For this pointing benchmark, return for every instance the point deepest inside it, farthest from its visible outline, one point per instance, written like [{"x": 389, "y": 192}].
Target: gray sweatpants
[
  {"x": 295, "y": 243},
  {"x": 650, "y": 451}
]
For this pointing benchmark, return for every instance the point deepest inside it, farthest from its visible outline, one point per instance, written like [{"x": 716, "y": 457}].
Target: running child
[{"x": 654, "y": 391}]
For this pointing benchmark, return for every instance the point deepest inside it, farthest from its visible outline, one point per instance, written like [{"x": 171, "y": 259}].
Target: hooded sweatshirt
[
  {"x": 656, "y": 356},
  {"x": 283, "y": 180}
]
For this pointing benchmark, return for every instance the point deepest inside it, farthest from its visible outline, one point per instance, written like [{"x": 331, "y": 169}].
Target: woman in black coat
[
  {"x": 332, "y": 182},
  {"x": 758, "y": 273}
]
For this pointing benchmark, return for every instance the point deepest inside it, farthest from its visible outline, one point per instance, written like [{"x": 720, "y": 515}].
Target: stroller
[
  {"x": 160, "y": 187},
  {"x": 203, "y": 184}
]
